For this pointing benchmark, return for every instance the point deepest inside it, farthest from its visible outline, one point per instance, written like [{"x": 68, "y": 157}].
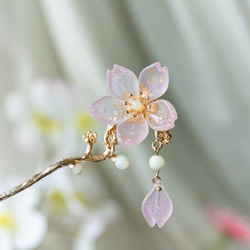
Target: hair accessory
[{"x": 129, "y": 112}]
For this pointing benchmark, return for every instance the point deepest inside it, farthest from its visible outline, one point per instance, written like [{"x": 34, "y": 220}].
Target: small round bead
[
  {"x": 156, "y": 162},
  {"x": 77, "y": 169},
  {"x": 136, "y": 105},
  {"x": 121, "y": 162}
]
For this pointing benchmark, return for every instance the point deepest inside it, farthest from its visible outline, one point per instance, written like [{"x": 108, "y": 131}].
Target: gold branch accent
[{"x": 109, "y": 141}]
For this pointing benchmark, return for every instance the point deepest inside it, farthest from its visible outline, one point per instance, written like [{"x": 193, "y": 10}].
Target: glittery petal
[
  {"x": 108, "y": 110},
  {"x": 161, "y": 115},
  {"x": 122, "y": 82},
  {"x": 157, "y": 206},
  {"x": 133, "y": 131},
  {"x": 154, "y": 81}
]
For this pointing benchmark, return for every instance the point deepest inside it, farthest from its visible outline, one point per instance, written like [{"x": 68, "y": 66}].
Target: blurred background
[{"x": 53, "y": 61}]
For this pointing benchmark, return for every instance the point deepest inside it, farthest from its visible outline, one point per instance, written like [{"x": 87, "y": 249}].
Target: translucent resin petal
[
  {"x": 122, "y": 82},
  {"x": 108, "y": 110},
  {"x": 161, "y": 116},
  {"x": 132, "y": 131},
  {"x": 157, "y": 207},
  {"x": 154, "y": 80}
]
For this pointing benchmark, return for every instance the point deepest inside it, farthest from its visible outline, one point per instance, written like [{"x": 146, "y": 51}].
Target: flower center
[
  {"x": 57, "y": 201},
  {"x": 7, "y": 221},
  {"x": 83, "y": 121},
  {"x": 45, "y": 124},
  {"x": 136, "y": 105}
]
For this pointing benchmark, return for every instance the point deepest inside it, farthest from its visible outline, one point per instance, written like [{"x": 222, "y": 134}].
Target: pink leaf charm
[{"x": 157, "y": 206}]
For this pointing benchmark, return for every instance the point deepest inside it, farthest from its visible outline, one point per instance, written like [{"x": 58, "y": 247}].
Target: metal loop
[
  {"x": 155, "y": 178},
  {"x": 157, "y": 146},
  {"x": 161, "y": 138}
]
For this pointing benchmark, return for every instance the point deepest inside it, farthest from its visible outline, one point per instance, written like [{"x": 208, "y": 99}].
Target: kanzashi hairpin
[{"x": 129, "y": 112}]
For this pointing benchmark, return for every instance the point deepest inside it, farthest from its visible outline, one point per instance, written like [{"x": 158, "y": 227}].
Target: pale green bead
[{"x": 156, "y": 162}]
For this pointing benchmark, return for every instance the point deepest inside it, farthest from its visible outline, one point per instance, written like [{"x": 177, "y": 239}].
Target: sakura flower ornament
[
  {"x": 128, "y": 112},
  {"x": 133, "y": 103},
  {"x": 133, "y": 107}
]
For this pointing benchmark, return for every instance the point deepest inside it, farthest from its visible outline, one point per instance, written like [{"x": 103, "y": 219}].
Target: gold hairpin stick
[{"x": 109, "y": 141}]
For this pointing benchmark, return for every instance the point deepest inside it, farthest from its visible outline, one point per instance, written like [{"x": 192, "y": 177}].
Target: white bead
[
  {"x": 136, "y": 105},
  {"x": 156, "y": 162},
  {"x": 77, "y": 169},
  {"x": 121, "y": 162}
]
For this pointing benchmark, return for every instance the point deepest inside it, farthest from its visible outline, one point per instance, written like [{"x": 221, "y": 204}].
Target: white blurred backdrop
[{"x": 53, "y": 61}]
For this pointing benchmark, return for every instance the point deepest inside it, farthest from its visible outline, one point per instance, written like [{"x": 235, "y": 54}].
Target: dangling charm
[{"x": 157, "y": 206}]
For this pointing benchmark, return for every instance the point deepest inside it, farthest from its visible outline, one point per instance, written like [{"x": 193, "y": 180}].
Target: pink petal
[
  {"x": 161, "y": 115},
  {"x": 133, "y": 131},
  {"x": 154, "y": 81},
  {"x": 157, "y": 206},
  {"x": 122, "y": 82},
  {"x": 108, "y": 110}
]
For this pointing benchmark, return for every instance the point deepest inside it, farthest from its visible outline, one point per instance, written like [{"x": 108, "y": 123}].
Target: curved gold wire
[{"x": 110, "y": 142}]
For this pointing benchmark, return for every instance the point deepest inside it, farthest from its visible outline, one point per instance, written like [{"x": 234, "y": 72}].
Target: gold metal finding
[
  {"x": 155, "y": 179},
  {"x": 109, "y": 141},
  {"x": 161, "y": 138}
]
